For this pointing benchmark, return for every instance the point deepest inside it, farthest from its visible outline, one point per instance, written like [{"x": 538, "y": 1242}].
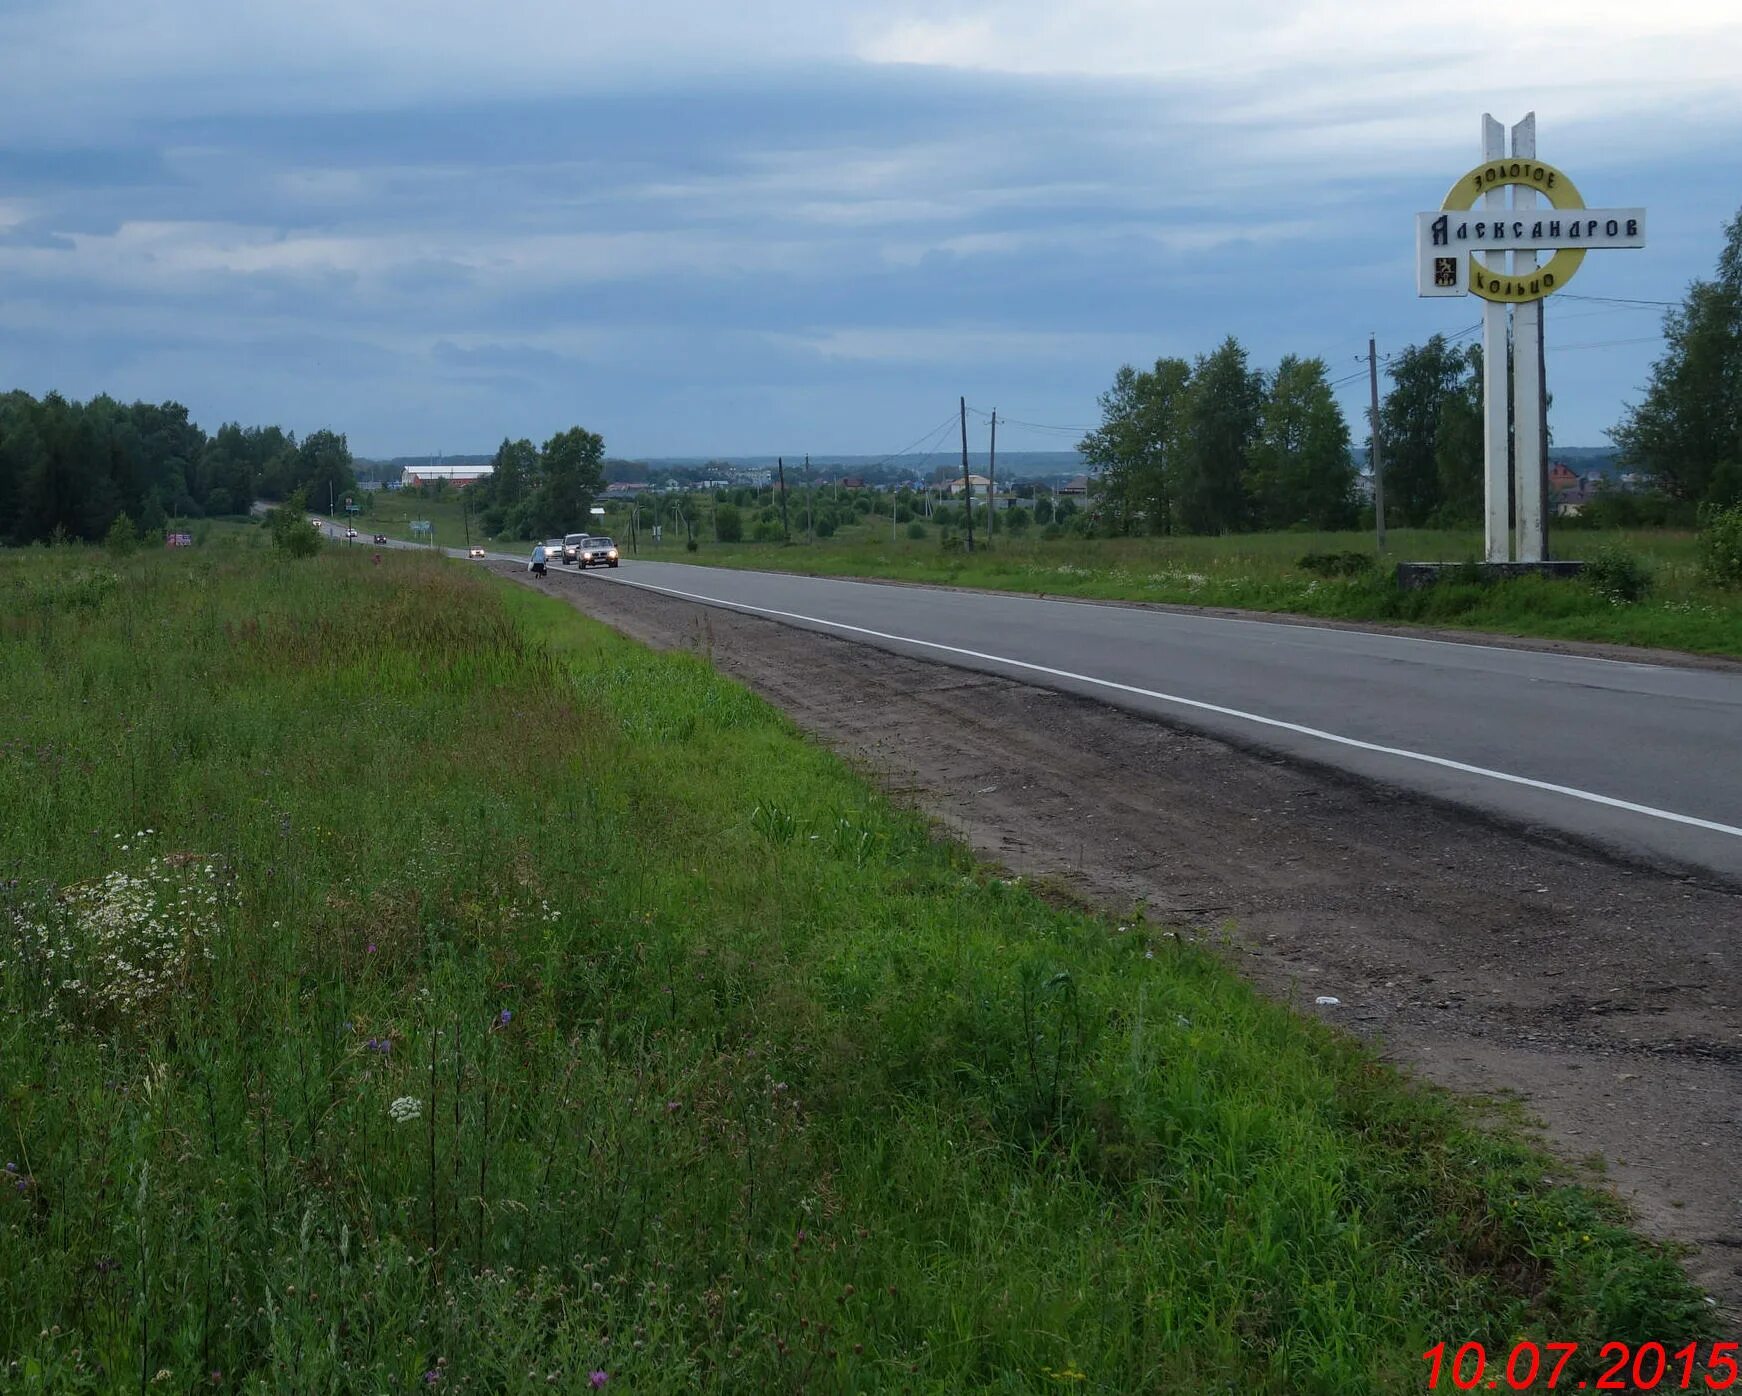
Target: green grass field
[
  {"x": 1260, "y": 572},
  {"x": 408, "y": 984}
]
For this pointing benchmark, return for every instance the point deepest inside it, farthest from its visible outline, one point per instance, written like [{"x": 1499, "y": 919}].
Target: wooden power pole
[
  {"x": 785, "y": 529},
  {"x": 992, "y": 478},
  {"x": 1377, "y": 460},
  {"x": 967, "y": 479}
]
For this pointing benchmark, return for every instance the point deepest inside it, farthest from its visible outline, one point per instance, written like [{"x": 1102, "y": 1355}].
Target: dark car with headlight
[{"x": 597, "y": 552}]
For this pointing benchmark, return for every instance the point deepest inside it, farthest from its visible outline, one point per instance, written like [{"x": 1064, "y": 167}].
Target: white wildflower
[{"x": 406, "y": 1109}]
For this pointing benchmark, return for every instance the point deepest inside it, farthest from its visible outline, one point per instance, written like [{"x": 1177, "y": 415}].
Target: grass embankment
[
  {"x": 447, "y": 993},
  {"x": 1260, "y": 572}
]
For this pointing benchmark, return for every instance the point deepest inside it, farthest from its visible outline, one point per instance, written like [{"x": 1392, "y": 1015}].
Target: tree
[
  {"x": 1132, "y": 451},
  {"x": 1687, "y": 433},
  {"x": 290, "y": 530},
  {"x": 1302, "y": 472},
  {"x": 513, "y": 470},
  {"x": 572, "y": 475},
  {"x": 1423, "y": 378},
  {"x": 1458, "y": 447},
  {"x": 728, "y": 524},
  {"x": 1215, "y": 430},
  {"x": 324, "y": 470}
]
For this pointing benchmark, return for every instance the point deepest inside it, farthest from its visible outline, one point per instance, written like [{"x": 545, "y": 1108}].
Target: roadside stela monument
[{"x": 1485, "y": 240}]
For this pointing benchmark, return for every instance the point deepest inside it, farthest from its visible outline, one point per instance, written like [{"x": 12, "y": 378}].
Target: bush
[
  {"x": 1720, "y": 544},
  {"x": 1017, "y": 519},
  {"x": 728, "y": 524},
  {"x": 1618, "y": 574},
  {"x": 825, "y": 527},
  {"x": 915, "y": 529},
  {"x": 1346, "y": 564},
  {"x": 951, "y": 541},
  {"x": 1051, "y": 533},
  {"x": 903, "y": 514},
  {"x": 291, "y": 533},
  {"x": 767, "y": 531},
  {"x": 690, "y": 545},
  {"x": 121, "y": 538}
]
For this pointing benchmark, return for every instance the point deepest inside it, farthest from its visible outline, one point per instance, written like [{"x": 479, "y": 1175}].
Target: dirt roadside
[{"x": 1483, "y": 957}]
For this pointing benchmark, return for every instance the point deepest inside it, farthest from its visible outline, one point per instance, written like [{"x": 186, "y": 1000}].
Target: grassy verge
[
  {"x": 410, "y": 985},
  {"x": 1260, "y": 572}
]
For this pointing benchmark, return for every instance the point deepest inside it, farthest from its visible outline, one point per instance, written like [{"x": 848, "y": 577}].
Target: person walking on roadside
[{"x": 536, "y": 567}]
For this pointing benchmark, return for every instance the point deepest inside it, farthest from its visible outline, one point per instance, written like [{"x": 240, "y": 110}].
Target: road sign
[
  {"x": 1477, "y": 243},
  {"x": 421, "y": 526},
  {"x": 597, "y": 509}
]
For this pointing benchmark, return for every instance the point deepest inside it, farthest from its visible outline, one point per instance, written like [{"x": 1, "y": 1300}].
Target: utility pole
[
  {"x": 967, "y": 479},
  {"x": 894, "y": 495},
  {"x": 810, "y": 494},
  {"x": 1376, "y": 458},
  {"x": 785, "y": 528},
  {"x": 992, "y": 478},
  {"x": 1542, "y": 434}
]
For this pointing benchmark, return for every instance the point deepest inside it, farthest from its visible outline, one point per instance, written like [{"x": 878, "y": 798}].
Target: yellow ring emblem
[{"x": 1554, "y": 186}]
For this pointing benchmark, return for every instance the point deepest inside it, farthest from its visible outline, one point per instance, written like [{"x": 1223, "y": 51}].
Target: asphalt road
[{"x": 1642, "y": 759}]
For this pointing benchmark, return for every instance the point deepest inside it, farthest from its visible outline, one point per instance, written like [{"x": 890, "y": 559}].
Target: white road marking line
[{"x": 1319, "y": 734}]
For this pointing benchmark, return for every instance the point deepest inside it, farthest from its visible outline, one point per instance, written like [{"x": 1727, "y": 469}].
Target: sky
[{"x": 705, "y": 229}]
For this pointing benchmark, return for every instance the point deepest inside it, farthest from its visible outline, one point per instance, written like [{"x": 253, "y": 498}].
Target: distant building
[
  {"x": 979, "y": 483},
  {"x": 625, "y": 489},
  {"x": 1568, "y": 491},
  {"x": 456, "y": 476},
  {"x": 1077, "y": 485}
]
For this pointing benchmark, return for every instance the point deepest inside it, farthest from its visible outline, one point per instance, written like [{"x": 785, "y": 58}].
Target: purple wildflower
[
  {"x": 431, "y": 1377},
  {"x": 504, "y": 1018},
  {"x": 597, "y": 1379},
  {"x": 370, "y": 948}
]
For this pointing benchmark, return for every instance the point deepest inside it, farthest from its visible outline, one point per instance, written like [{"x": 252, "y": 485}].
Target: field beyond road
[
  {"x": 1262, "y": 572},
  {"x": 410, "y": 984}
]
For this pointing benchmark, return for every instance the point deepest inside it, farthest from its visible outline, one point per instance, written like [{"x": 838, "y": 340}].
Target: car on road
[
  {"x": 597, "y": 552},
  {"x": 350, "y": 533},
  {"x": 553, "y": 550},
  {"x": 475, "y": 552},
  {"x": 572, "y": 545},
  {"x": 380, "y": 538}
]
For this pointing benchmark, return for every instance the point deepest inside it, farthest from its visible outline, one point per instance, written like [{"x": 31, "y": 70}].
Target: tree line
[
  {"x": 1214, "y": 446},
  {"x": 1217, "y": 446},
  {"x": 73, "y": 469}
]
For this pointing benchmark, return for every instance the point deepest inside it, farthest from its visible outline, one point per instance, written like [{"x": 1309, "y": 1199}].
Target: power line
[
  {"x": 1610, "y": 343},
  {"x": 938, "y": 430},
  {"x": 1616, "y": 300}
]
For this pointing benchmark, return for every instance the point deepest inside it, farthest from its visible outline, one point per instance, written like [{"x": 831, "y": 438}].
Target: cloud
[{"x": 718, "y": 228}]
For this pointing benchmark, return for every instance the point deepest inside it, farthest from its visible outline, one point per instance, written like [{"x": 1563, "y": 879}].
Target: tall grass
[{"x": 506, "y": 1004}]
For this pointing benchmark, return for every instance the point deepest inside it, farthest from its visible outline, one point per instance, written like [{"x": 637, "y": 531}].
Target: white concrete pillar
[
  {"x": 1527, "y": 417},
  {"x": 1496, "y": 476}
]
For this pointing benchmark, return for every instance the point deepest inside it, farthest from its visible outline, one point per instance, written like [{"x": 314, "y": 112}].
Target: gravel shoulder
[{"x": 1484, "y": 957}]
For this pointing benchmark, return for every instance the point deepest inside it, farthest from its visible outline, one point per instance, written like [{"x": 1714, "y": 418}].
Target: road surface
[{"x": 1642, "y": 759}]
